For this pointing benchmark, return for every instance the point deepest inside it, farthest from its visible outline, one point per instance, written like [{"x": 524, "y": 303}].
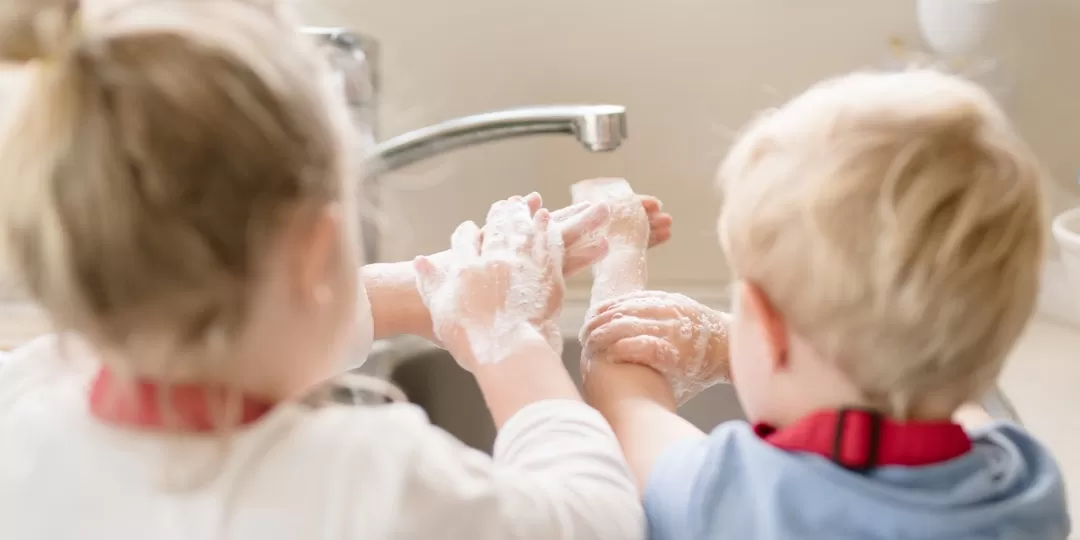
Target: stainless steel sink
[{"x": 432, "y": 379}]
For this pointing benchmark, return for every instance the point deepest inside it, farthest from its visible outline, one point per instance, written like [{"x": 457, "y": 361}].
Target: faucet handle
[{"x": 354, "y": 59}]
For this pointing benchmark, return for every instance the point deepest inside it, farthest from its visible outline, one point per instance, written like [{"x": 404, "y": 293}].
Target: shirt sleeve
[
  {"x": 557, "y": 473},
  {"x": 36, "y": 358},
  {"x": 669, "y": 492}
]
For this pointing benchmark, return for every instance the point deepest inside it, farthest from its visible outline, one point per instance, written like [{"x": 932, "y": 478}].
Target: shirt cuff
[{"x": 556, "y": 419}]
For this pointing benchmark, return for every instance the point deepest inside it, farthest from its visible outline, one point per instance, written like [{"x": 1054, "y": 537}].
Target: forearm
[
  {"x": 396, "y": 306},
  {"x": 556, "y": 473},
  {"x": 530, "y": 373},
  {"x": 622, "y": 271},
  {"x": 562, "y": 465},
  {"x": 640, "y": 406}
]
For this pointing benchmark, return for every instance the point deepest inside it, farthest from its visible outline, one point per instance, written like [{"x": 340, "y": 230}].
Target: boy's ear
[{"x": 771, "y": 322}]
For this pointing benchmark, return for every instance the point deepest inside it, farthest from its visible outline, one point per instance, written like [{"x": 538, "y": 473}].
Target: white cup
[
  {"x": 1066, "y": 229},
  {"x": 955, "y": 27}
]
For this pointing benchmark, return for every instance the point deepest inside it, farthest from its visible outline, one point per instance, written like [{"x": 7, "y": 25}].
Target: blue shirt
[{"x": 735, "y": 485}]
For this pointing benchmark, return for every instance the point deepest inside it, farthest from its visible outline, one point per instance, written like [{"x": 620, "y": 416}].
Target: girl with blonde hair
[{"x": 175, "y": 198}]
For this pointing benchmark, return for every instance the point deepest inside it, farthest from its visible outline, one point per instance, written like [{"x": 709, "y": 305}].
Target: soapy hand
[
  {"x": 627, "y": 231},
  {"x": 583, "y": 228},
  {"x": 492, "y": 286},
  {"x": 680, "y": 338}
]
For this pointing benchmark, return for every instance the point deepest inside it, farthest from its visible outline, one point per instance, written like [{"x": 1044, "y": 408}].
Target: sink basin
[{"x": 432, "y": 379}]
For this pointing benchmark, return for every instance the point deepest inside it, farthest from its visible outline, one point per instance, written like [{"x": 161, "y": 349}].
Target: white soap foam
[
  {"x": 533, "y": 265},
  {"x": 687, "y": 345}
]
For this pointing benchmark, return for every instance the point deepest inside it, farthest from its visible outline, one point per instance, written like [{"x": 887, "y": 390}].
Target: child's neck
[
  {"x": 815, "y": 403},
  {"x": 823, "y": 387},
  {"x": 171, "y": 407},
  {"x": 159, "y": 362}
]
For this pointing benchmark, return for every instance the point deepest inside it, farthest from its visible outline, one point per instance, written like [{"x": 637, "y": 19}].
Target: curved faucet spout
[{"x": 600, "y": 128}]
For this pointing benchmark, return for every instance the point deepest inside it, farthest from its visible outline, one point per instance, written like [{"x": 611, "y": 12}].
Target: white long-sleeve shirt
[{"x": 336, "y": 472}]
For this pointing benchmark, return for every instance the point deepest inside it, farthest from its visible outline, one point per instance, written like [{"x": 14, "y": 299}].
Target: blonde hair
[
  {"x": 896, "y": 221},
  {"x": 154, "y": 156}
]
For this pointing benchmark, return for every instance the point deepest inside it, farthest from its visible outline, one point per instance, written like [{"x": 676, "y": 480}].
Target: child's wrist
[
  {"x": 526, "y": 371},
  {"x": 396, "y": 305},
  {"x": 606, "y": 380},
  {"x": 485, "y": 346},
  {"x": 718, "y": 353},
  {"x": 502, "y": 344}
]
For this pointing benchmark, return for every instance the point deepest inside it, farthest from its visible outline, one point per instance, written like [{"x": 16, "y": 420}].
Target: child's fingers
[
  {"x": 659, "y": 228},
  {"x": 509, "y": 226},
  {"x": 568, "y": 212},
  {"x": 602, "y": 326},
  {"x": 494, "y": 228},
  {"x": 465, "y": 243},
  {"x": 660, "y": 220},
  {"x": 427, "y": 276},
  {"x": 534, "y": 202},
  {"x": 620, "y": 300},
  {"x": 584, "y": 256},
  {"x": 601, "y": 337},
  {"x": 588, "y": 222},
  {"x": 425, "y": 269},
  {"x": 659, "y": 236},
  {"x": 548, "y": 248},
  {"x": 557, "y": 253},
  {"x": 525, "y": 228},
  {"x": 650, "y": 204},
  {"x": 647, "y": 350},
  {"x": 540, "y": 245}
]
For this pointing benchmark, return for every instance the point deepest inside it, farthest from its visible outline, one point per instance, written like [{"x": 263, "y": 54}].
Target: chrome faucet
[
  {"x": 354, "y": 59},
  {"x": 600, "y": 128}
]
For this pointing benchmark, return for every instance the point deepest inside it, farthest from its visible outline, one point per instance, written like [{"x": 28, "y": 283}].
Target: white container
[
  {"x": 955, "y": 27},
  {"x": 1066, "y": 228}
]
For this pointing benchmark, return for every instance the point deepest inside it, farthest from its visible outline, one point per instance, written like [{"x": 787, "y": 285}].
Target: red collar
[
  {"x": 188, "y": 407},
  {"x": 861, "y": 440}
]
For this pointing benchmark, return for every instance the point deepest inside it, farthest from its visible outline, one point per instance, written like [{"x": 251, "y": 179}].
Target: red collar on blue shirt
[
  {"x": 860, "y": 440},
  {"x": 188, "y": 407}
]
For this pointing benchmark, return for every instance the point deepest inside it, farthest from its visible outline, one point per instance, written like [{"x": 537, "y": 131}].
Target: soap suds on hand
[
  {"x": 624, "y": 271},
  {"x": 624, "y": 268},
  {"x": 528, "y": 257},
  {"x": 688, "y": 346}
]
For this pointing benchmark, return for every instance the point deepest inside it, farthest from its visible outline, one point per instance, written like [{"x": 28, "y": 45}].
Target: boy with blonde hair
[{"x": 886, "y": 234}]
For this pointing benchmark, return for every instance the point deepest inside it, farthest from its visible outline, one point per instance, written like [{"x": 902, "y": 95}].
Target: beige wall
[{"x": 690, "y": 72}]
